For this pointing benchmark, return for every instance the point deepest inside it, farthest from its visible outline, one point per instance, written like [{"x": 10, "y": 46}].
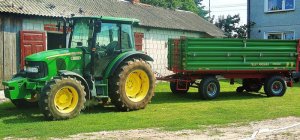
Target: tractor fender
[
  {"x": 119, "y": 59},
  {"x": 79, "y": 77}
]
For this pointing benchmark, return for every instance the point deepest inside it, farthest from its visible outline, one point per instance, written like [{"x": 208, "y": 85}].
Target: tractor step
[{"x": 102, "y": 88}]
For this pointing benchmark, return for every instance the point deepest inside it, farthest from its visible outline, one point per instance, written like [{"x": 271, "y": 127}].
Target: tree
[
  {"x": 201, "y": 12},
  {"x": 228, "y": 24},
  {"x": 243, "y": 30},
  {"x": 187, "y": 5}
]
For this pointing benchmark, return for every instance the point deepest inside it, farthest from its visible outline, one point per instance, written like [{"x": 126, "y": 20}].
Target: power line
[
  {"x": 230, "y": 10},
  {"x": 228, "y": 6}
]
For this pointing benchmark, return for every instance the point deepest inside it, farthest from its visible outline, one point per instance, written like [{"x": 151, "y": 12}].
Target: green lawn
[{"x": 167, "y": 111}]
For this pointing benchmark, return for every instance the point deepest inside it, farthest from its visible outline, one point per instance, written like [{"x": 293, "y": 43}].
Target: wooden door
[{"x": 31, "y": 42}]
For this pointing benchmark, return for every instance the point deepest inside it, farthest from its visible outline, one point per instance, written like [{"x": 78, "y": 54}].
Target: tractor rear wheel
[
  {"x": 62, "y": 98},
  {"x": 132, "y": 85}
]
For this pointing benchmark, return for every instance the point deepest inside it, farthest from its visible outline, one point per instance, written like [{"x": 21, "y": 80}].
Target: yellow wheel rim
[
  {"x": 137, "y": 85},
  {"x": 66, "y": 99}
]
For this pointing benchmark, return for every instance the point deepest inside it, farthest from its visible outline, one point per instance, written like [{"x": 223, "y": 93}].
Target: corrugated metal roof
[{"x": 149, "y": 16}]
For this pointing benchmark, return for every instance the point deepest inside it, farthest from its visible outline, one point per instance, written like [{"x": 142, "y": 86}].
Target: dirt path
[{"x": 282, "y": 128}]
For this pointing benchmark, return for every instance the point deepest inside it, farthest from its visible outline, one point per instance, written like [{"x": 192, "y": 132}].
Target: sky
[{"x": 228, "y": 7}]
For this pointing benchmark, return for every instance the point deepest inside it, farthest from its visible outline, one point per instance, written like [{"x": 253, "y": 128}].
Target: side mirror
[{"x": 97, "y": 26}]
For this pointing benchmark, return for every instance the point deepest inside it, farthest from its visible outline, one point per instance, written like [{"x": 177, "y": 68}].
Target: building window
[
  {"x": 279, "y": 5},
  {"x": 280, "y": 35}
]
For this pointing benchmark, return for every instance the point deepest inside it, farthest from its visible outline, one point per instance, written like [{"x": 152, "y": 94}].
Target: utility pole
[{"x": 209, "y": 8}]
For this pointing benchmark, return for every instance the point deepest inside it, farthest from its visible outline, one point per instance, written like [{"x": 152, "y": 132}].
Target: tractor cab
[{"x": 103, "y": 38}]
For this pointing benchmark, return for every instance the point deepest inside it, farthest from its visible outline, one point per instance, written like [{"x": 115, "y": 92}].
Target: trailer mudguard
[{"x": 118, "y": 60}]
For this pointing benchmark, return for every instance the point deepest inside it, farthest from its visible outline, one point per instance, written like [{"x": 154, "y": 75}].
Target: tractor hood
[{"x": 51, "y": 54}]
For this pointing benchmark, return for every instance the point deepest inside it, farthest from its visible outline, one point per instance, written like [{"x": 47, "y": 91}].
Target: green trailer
[{"x": 273, "y": 64}]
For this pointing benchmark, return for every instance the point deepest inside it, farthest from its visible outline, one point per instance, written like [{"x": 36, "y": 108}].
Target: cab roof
[{"x": 110, "y": 19}]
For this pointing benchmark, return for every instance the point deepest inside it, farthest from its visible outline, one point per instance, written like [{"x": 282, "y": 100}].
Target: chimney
[{"x": 134, "y": 1}]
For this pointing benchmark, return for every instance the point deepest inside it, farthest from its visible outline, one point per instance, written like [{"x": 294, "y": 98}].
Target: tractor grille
[{"x": 43, "y": 69}]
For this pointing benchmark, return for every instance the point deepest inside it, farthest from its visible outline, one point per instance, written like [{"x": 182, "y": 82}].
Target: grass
[{"x": 167, "y": 111}]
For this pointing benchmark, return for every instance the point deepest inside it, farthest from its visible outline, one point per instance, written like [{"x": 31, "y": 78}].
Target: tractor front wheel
[
  {"x": 132, "y": 85},
  {"x": 62, "y": 98}
]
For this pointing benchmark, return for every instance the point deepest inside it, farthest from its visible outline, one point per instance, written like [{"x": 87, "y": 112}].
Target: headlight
[{"x": 32, "y": 69}]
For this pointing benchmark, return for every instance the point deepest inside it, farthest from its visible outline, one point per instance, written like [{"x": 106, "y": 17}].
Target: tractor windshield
[
  {"x": 113, "y": 36},
  {"x": 80, "y": 35}
]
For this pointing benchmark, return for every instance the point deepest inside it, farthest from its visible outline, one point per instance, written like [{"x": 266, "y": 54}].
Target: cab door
[{"x": 108, "y": 46}]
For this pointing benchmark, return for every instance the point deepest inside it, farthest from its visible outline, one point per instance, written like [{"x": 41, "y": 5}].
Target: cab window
[
  {"x": 108, "y": 38},
  {"x": 126, "y": 36},
  {"x": 80, "y": 35}
]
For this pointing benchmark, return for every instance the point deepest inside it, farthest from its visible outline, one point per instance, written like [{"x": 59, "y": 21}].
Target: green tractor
[{"x": 100, "y": 63}]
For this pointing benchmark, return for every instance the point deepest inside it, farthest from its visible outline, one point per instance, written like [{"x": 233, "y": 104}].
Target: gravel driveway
[{"x": 281, "y": 128}]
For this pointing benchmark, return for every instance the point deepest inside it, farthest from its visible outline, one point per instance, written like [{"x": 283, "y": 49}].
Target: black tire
[
  {"x": 209, "y": 88},
  {"x": 24, "y": 103},
  {"x": 52, "y": 91},
  {"x": 173, "y": 87},
  {"x": 252, "y": 85},
  {"x": 275, "y": 86},
  {"x": 118, "y": 83},
  {"x": 240, "y": 89}
]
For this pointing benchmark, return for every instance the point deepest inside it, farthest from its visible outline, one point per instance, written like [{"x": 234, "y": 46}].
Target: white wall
[{"x": 155, "y": 44}]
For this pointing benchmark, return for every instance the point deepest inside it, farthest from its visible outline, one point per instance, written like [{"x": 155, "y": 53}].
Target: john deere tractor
[{"x": 100, "y": 62}]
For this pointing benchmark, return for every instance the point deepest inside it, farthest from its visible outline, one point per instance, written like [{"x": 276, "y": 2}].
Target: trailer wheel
[
  {"x": 62, "y": 98},
  {"x": 132, "y": 85},
  {"x": 275, "y": 86},
  {"x": 209, "y": 88},
  {"x": 173, "y": 87},
  {"x": 252, "y": 85}
]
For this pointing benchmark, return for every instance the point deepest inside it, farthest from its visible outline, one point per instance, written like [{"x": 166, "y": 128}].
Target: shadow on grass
[
  {"x": 168, "y": 97},
  {"x": 12, "y": 115}
]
